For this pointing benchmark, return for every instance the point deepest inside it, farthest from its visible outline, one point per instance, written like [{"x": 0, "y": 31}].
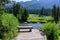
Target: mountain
[{"x": 37, "y": 4}]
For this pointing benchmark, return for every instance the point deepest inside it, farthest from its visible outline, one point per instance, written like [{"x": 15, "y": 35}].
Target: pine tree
[
  {"x": 16, "y": 8},
  {"x": 6, "y": 1},
  {"x": 55, "y": 13},
  {"x": 58, "y": 11},
  {"x": 43, "y": 12},
  {"x": 25, "y": 15},
  {"x": 2, "y": 3}
]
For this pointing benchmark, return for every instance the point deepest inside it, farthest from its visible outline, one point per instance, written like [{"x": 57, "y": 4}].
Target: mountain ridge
[
  {"x": 41, "y": 3},
  {"x": 37, "y": 4}
]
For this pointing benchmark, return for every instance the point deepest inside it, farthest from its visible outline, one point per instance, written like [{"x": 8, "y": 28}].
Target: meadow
[{"x": 36, "y": 18}]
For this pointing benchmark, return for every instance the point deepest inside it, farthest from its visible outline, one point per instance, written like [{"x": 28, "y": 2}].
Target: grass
[
  {"x": 59, "y": 38},
  {"x": 36, "y": 18}
]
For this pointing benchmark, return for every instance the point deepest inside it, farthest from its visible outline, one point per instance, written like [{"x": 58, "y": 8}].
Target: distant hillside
[
  {"x": 37, "y": 4},
  {"x": 34, "y": 4}
]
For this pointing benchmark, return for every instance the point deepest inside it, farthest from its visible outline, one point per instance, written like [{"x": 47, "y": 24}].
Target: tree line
[{"x": 20, "y": 12}]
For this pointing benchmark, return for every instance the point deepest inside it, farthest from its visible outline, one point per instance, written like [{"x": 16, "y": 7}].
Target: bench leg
[
  {"x": 30, "y": 30},
  {"x": 18, "y": 30}
]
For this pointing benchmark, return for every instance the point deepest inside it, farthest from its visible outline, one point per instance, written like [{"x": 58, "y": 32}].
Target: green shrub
[
  {"x": 51, "y": 30},
  {"x": 59, "y": 27},
  {"x": 8, "y": 26}
]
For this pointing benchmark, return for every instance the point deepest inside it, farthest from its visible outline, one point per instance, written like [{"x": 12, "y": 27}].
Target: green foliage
[
  {"x": 43, "y": 12},
  {"x": 8, "y": 26},
  {"x": 25, "y": 15},
  {"x": 51, "y": 30},
  {"x": 58, "y": 12},
  {"x": 1, "y": 9},
  {"x": 16, "y": 9},
  {"x": 6, "y": 1},
  {"x": 36, "y": 18},
  {"x": 55, "y": 13},
  {"x": 20, "y": 12}
]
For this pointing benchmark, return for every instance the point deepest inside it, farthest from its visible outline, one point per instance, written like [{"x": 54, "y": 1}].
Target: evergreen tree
[
  {"x": 16, "y": 8},
  {"x": 6, "y": 1},
  {"x": 55, "y": 12},
  {"x": 43, "y": 12},
  {"x": 25, "y": 15},
  {"x": 18, "y": 11},
  {"x": 58, "y": 11},
  {"x": 2, "y": 3}
]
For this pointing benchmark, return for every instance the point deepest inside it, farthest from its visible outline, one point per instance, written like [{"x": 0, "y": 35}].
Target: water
[{"x": 34, "y": 25}]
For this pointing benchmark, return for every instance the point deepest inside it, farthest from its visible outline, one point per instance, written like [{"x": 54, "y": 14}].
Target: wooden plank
[{"x": 25, "y": 27}]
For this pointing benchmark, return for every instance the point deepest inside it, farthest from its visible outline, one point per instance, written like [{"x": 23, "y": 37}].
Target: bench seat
[{"x": 25, "y": 27}]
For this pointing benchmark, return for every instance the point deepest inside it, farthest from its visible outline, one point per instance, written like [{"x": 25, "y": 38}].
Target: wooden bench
[{"x": 25, "y": 27}]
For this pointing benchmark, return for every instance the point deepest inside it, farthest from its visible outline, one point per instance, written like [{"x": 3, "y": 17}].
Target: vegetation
[
  {"x": 20, "y": 12},
  {"x": 25, "y": 15},
  {"x": 16, "y": 9},
  {"x": 8, "y": 26},
  {"x": 37, "y": 18},
  {"x": 51, "y": 30},
  {"x": 9, "y": 22},
  {"x": 6, "y": 1},
  {"x": 43, "y": 12},
  {"x": 55, "y": 13}
]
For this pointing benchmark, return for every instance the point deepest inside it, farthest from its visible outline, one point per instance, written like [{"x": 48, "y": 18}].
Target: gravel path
[{"x": 34, "y": 35}]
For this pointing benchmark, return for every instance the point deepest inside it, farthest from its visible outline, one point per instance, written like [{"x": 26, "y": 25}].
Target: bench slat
[{"x": 25, "y": 27}]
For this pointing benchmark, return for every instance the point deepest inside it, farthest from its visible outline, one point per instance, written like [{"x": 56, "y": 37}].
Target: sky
[
  {"x": 22, "y": 0},
  {"x": 33, "y": 0}
]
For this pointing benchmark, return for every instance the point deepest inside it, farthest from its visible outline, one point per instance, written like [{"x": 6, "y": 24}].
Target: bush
[
  {"x": 51, "y": 30},
  {"x": 8, "y": 26},
  {"x": 59, "y": 27}
]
